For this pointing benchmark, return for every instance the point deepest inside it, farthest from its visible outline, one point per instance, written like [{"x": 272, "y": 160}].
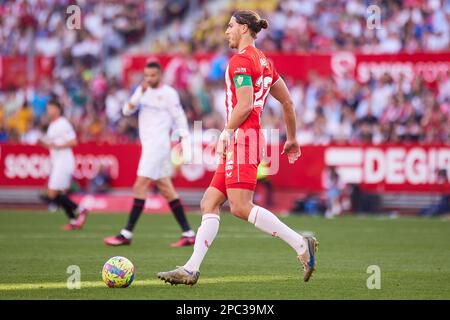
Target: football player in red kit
[{"x": 249, "y": 79}]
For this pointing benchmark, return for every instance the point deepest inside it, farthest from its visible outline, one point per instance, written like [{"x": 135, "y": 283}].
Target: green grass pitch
[{"x": 243, "y": 263}]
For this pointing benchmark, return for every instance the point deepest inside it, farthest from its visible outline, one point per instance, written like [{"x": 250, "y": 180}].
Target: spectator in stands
[
  {"x": 21, "y": 120},
  {"x": 33, "y": 135},
  {"x": 101, "y": 183},
  {"x": 443, "y": 204},
  {"x": 382, "y": 110},
  {"x": 40, "y": 99},
  {"x": 333, "y": 186},
  {"x": 3, "y": 133}
]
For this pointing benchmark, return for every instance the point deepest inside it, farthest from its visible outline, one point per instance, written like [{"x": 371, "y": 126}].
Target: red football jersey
[{"x": 252, "y": 62}]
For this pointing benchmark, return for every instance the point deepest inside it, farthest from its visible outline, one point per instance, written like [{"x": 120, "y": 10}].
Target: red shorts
[{"x": 240, "y": 167}]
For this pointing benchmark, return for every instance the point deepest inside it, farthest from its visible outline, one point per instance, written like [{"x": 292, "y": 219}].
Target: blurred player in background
[
  {"x": 249, "y": 78},
  {"x": 59, "y": 139},
  {"x": 160, "y": 109}
]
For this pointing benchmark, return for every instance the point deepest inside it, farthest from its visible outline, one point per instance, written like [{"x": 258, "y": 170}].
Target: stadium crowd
[
  {"x": 328, "y": 25},
  {"x": 328, "y": 110}
]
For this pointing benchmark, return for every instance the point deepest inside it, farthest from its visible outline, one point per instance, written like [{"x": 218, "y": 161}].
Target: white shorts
[
  {"x": 155, "y": 166},
  {"x": 60, "y": 176}
]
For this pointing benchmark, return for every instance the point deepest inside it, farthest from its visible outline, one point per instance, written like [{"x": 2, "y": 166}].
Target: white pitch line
[{"x": 154, "y": 282}]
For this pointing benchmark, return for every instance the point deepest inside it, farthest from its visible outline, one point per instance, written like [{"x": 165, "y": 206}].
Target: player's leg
[
  {"x": 52, "y": 205},
  {"x": 140, "y": 190},
  {"x": 55, "y": 196},
  {"x": 77, "y": 214},
  {"x": 59, "y": 182},
  {"x": 167, "y": 190},
  {"x": 241, "y": 205},
  {"x": 69, "y": 205},
  {"x": 210, "y": 205}
]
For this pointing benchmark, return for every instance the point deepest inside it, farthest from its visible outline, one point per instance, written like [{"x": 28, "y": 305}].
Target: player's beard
[
  {"x": 155, "y": 85},
  {"x": 53, "y": 117}
]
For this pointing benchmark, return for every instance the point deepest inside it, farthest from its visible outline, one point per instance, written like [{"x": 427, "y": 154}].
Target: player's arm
[
  {"x": 280, "y": 92},
  {"x": 49, "y": 145},
  {"x": 69, "y": 137},
  {"x": 240, "y": 113},
  {"x": 42, "y": 141},
  {"x": 178, "y": 115},
  {"x": 182, "y": 130},
  {"x": 67, "y": 144},
  {"x": 131, "y": 106},
  {"x": 244, "y": 105}
]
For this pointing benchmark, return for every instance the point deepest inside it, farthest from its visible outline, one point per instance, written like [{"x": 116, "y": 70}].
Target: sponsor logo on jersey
[{"x": 240, "y": 70}]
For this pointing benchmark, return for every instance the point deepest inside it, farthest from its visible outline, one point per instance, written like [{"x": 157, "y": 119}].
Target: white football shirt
[
  {"x": 159, "y": 110},
  {"x": 59, "y": 132}
]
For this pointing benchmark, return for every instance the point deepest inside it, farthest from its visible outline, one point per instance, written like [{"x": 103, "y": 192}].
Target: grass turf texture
[{"x": 243, "y": 263}]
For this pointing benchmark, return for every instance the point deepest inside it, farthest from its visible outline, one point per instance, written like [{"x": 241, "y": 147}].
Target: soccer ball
[{"x": 118, "y": 272}]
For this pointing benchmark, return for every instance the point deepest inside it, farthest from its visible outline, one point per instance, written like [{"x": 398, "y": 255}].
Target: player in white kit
[
  {"x": 159, "y": 108},
  {"x": 59, "y": 139}
]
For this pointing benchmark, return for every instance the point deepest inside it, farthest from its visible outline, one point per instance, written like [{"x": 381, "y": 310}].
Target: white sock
[
  {"x": 205, "y": 236},
  {"x": 73, "y": 221},
  {"x": 266, "y": 221},
  {"x": 79, "y": 209},
  {"x": 126, "y": 234},
  {"x": 189, "y": 233}
]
